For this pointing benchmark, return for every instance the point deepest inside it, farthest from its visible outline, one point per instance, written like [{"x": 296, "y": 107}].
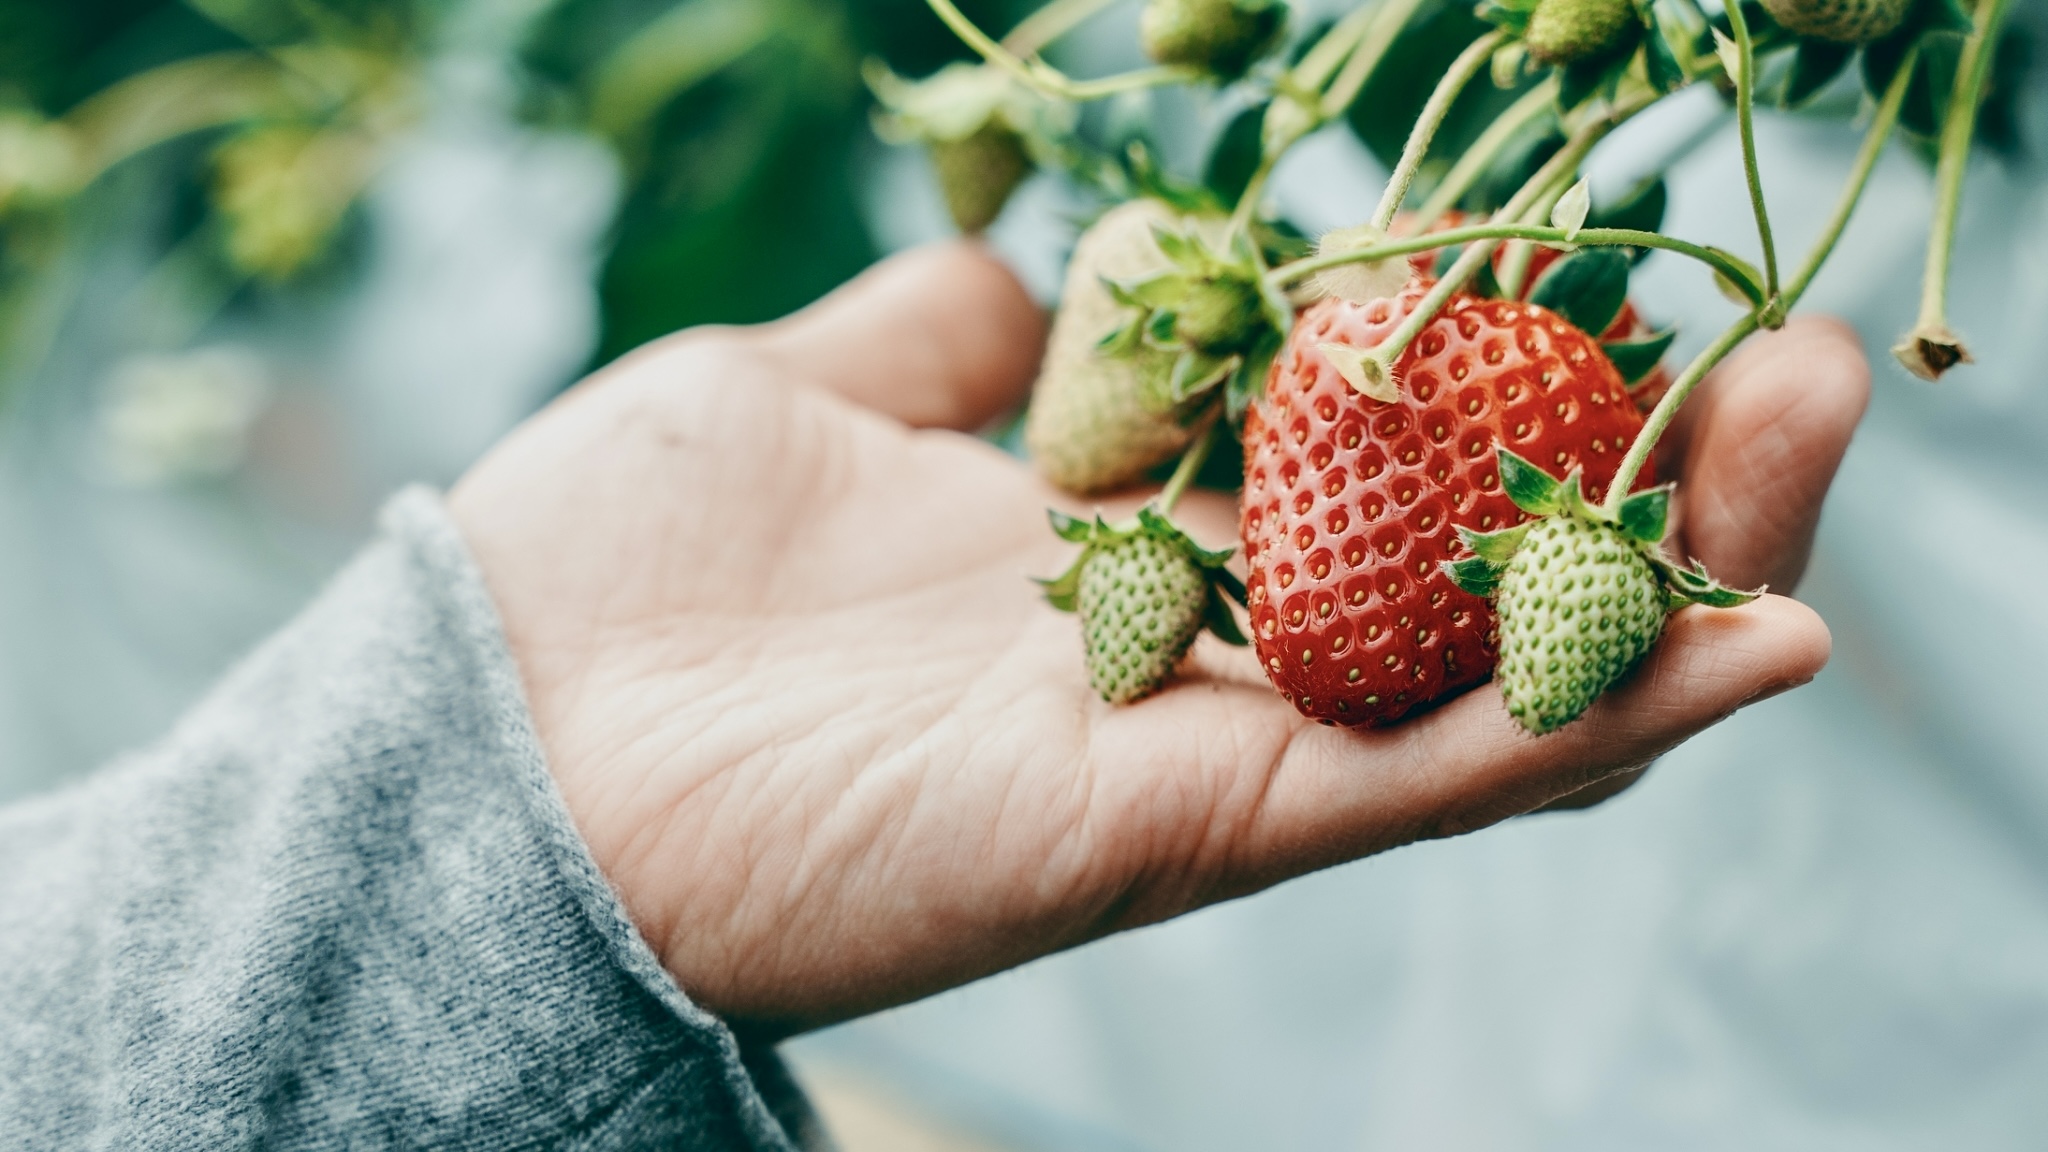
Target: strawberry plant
[{"x": 1447, "y": 411}]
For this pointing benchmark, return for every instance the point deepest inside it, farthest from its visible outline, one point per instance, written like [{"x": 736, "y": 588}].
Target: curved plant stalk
[
  {"x": 1514, "y": 267},
  {"x": 1745, "y": 118},
  {"x": 1473, "y": 164},
  {"x": 1046, "y": 78},
  {"x": 1874, "y": 140},
  {"x": 1931, "y": 349},
  {"x": 670, "y": 55},
  {"x": 1375, "y": 369},
  {"x": 1388, "y": 20},
  {"x": 1049, "y": 23},
  {"x": 1191, "y": 463},
  {"x": 1467, "y": 65},
  {"x": 1659, "y": 419},
  {"x": 1734, "y": 269},
  {"x": 180, "y": 98}
]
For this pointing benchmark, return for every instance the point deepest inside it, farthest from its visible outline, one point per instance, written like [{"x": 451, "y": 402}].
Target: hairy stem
[
  {"x": 1719, "y": 261},
  {"x": 1874, "y": 140},
  {"x": 1956, "y": 134},
  {"x": 1044, "y": 77},
  {"x": 1660, "y": 417},
  {"x": 1473, "y": 164},
  {"x": 1049, "y": 23},
  {"x": 1190, "y": 465},
  {"x": 1466, "y": 66},
  {"x": 1514, "y": 267},
  {"x": 1745, "y": 119}
]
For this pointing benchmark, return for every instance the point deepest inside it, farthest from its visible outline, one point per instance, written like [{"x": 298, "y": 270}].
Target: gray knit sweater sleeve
[{"x": 343, "y": 906}]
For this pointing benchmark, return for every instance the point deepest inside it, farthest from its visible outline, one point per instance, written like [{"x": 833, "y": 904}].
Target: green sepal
[
  {"x": 1158, "y": 291},
  {"x": 1571, "y": 499},
  {"x": 1645, "y": 516},
  {"x": 1695, "y": 586},
  {"x": 1219, "y": 619},
  {"x": 1178, "y": 246},
  {"x": 1509, "y": 15},
  {"x": 1473, "y": 574},
  {"x": 1661, "y": 64},
  {"x": 1495, "y": 547},
  {"x": 1072, "y": 529},
  {"x": 1248, "y": 379},
  {"x": 1587, "y": 288},
  {"x": 1151, "y": 521},
  {"x": 1531, "y": 488},
  {"x": 1815, "y": 64},
  {"x": 1599, "y": 76},
  {"x": 1195, "y": 373},
  {"x": 1635, "y": 359}
]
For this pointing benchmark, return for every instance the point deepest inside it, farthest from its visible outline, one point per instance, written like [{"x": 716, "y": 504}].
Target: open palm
[{"x": 835, "y": 751}]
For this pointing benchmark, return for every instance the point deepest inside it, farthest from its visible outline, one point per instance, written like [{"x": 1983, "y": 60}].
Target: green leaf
[
  {"x": 1641, "y": 208},
  {"x": 1159, "y": 329},
  {"x": 1178, "y": 247},
  {"x": 1587, "y": 288},
  {"x": 1661, "y": 64},
  {"x": 1495, "y": 547},
  {"x": 1218, "y": 617},
  {"x": 1645, "y": 515},
  {"x": 1473, "y": 575},
  {"x": 1531, "y": 488},
  {"x": 1750, "y": 287},
  {"x": 1635, "y": 359},
  {"x": 1815, "y": 64}
]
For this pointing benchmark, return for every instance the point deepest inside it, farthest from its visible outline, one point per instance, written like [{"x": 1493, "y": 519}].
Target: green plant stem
[
  {"x": 1473, "y": 164},
  {"x": 1660, "y": 417},
  {"x": 1191, "y": 463},
  {"x": 1466, "y": 66},
  {"x": 1874, "y": 140},
  {"x": 1386, "y": 25},
  {"x": 1719, "y": 261},
  {"x": 1049, "y": 23},
  {"x": 1514, "y": 267},
  {"x": 1044, "y": 77},
  {"x": 1957, "y": 130},
  {"x": 1328, "y": 54},
  {"x": 1745, "y": 118}
]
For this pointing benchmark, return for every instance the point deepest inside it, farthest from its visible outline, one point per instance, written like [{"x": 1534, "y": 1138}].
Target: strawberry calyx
[
  {"x": 985, "y": 131},
  {"x": 1097, "y": 535},
  {"x": 1208, "y": 310},
  {"x": 1642, "y": 518}
]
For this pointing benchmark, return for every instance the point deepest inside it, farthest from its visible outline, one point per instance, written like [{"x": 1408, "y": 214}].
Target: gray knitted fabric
[{"x": 342, "y": 906}]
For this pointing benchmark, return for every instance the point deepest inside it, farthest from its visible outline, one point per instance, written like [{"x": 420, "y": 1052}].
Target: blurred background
[{"x": 264, "y": 261}]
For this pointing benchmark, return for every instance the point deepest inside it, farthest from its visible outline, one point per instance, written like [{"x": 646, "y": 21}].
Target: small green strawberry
[
  {"x": 1843, "y": 21},
  {"x": 1581, "y": 593},
  {"x": 980, "y": 125},
  {"x": 1221, "y": 37},
  {"x": 1144, "y": 591},
  {"x": 1569, "y": 31},
  {"x": 1151, "y": 323}
]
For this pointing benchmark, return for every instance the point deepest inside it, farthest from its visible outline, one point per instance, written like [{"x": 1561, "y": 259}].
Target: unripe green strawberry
[
  {"x": 1580, "y": 593},
  {"x": 1218, "y": 315},
  {"x": 1579, "y": 606},
  {"x": 1099, "y": 420},
  {"x": 1843, "y": 21},
  {"x": 1568, "y": 31},
  {"x": 1223, "y": 37},
  {"x": 978, "y": 172},
  {"x": 1144, "y": 591},
  {"x": 977, "y": 122}
]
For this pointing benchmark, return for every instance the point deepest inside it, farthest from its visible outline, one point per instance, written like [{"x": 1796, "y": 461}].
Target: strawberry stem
[
  {"x": 1714, "y": 258},
  {"x": 1957, "y": 130},
  {"x": 1874, "y": 140},
  {"x": 1190, "y": 465},
  {"x": 1476, "y": 159},
  {"x": 1514, "y": 267},
  {"x": 1046, "y": 78},
  {"x": 1466, "y": 66},
  {"x": 1745, "y": 119},
  {"x": 1660, "y": 417},
  {"x": 1049, "y": 23},
  {"x": 1377, "y": 35}
]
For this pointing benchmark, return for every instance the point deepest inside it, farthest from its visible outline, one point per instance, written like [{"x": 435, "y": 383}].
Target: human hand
[{"x": 835, "y": 751}]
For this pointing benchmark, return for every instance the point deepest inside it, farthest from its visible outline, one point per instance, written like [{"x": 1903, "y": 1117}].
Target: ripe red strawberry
[{"x": 1350, "y": 504}]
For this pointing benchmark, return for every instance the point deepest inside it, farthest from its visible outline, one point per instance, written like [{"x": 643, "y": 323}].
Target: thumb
[{"x": 941, "y": 336}]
